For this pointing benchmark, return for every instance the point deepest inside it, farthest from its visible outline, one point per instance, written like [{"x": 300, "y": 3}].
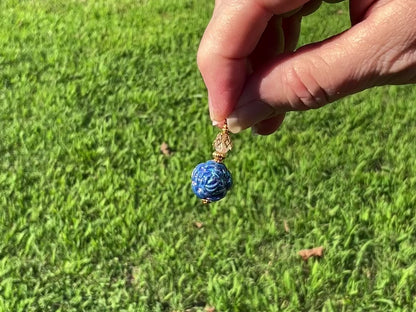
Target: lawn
[{"x": 93, "y": 217}]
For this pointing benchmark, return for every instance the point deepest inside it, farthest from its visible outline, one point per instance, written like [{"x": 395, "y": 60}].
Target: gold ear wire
[{"x": 225, "y": 127}]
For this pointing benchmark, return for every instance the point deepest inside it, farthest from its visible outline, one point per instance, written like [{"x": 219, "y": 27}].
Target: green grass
[{"x": 94, "y": 218}]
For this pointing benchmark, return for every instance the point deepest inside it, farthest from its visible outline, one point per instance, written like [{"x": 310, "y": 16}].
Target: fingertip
[
  {"x": 233, "y": 124},
  {"x": 268, "y": 126},
  {"x": 216, "y": 122},
  {"x": 248, "y": 114}
]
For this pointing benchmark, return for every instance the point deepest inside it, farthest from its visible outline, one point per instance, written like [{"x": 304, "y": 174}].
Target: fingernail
[
  {"x": 249, "y": 114},
  {"x": 233, "y": 123}
]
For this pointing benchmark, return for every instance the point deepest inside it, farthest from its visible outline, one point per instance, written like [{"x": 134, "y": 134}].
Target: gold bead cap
[{"x": 222, "y": 144}]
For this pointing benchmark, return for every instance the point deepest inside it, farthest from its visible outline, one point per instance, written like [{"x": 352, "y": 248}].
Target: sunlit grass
[{"x": 95, "y": 218}]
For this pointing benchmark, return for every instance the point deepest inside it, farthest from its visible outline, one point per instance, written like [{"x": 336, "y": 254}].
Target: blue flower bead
[{"x": 211, "y": 181}]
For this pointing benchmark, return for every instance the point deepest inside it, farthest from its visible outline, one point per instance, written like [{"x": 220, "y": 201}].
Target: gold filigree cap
[{"x": 222, "y": 144}]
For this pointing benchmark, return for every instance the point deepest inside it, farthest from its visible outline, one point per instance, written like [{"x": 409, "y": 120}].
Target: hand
[{"x": 253, "y": 77}]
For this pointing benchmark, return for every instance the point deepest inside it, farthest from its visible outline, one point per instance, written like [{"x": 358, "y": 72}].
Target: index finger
[{"x": 232, "y": 34}]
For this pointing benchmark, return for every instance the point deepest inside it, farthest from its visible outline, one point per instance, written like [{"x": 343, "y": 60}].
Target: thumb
[{"x": 321, "y": 73}]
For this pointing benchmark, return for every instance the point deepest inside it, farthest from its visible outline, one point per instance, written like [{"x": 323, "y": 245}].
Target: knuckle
[{"x": 304, "y": 92}]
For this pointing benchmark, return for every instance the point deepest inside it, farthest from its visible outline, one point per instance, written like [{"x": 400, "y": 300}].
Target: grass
[{"x": 94, "y": 218}]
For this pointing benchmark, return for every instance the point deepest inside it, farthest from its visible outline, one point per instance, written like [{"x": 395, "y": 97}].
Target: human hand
[{"x": 253, "y": 77}]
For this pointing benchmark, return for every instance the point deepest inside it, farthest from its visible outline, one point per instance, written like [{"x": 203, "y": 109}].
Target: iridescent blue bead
[{"x": 211, "y": 181}]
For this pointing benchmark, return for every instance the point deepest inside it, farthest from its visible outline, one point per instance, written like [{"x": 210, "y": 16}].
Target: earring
[{"x": 211, "y": 180}]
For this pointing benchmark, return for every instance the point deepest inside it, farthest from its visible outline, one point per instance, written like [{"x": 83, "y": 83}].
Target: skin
[{"x": 254, "y": 76}]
